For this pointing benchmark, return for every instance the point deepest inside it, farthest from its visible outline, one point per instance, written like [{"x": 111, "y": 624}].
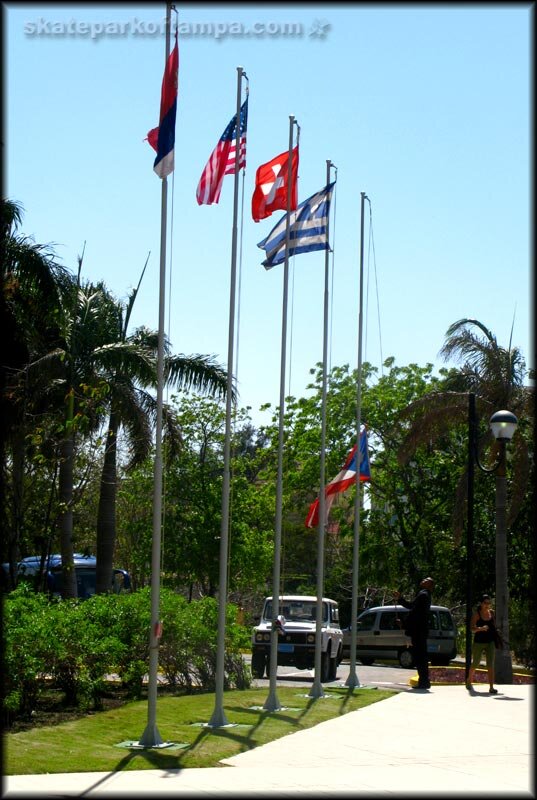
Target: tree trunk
[
  {"x": 67, "y": 458},
  {"x": 106, "y": 515},
  {"x": 17, "y": 510}
]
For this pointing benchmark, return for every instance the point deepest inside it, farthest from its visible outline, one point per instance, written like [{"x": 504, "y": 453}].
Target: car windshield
[{"x": 297, "y": 610}]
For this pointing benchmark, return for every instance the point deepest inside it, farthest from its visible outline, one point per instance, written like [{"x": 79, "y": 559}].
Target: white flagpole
[
  {"x": 352, "y": 680},
  {"x": 272, "y": 703},
  {"x": 151, "y": 736},
  {"x": 317, "y": 687},
  {"x": 218, "y": 718}
]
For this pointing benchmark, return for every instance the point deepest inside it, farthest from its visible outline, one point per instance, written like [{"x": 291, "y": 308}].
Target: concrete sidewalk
[{"x": 441, "y": 742}]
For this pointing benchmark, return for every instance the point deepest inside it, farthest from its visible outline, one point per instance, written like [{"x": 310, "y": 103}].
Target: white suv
[{"x": 296, "y": 636}]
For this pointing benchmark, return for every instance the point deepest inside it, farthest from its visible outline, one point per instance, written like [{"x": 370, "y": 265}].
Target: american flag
[{"x": 222, "y": 160}]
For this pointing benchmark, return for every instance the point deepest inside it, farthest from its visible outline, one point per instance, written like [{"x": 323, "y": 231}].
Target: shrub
[
  {"x": 130, "y": 624},
  {"x": 25, "y": 631},
  {"x": 85, "y": 648},
  {"x": 188, "y": 646},
  {"x": 79, "y": 644}
]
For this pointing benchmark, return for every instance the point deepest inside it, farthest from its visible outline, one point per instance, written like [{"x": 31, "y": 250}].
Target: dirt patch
[{"x": 50, "y": 709}]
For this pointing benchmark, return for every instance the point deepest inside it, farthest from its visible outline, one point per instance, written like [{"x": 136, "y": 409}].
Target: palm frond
[
  {"x": 198, "y": 372},
  {"x": 132, "y": 298}
]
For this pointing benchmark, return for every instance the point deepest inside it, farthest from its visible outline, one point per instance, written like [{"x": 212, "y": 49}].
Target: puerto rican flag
[
  {"x": 162, "y": 139},
  {"x": 342, "y": 481}
]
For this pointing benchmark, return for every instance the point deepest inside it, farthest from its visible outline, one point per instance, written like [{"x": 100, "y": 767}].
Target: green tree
[
  {"x": 132, "y": 407},
  {"x": 405, "y": 519},
  {"x": 76, "y": 378},
  {"x": 496, "y": 375},
  {"x": 33, "y": 289},
  {"x": 192, "y": 507}
]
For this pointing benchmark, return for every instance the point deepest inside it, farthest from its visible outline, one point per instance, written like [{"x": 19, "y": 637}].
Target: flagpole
[
  {"x": 272, "y": 703},
  {"x": 151, "y": 736},
  {"x": 317, "y": 687},
  {"x": 219, "y": 718},
  {"x": 352, "y": 680}
]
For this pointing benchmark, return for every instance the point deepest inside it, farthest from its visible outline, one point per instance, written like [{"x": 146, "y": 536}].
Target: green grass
[{"x": 89, "y": 744}]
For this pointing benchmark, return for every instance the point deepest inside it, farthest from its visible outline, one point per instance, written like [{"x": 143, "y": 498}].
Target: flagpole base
[
  {"x": 218, "y": 719},
  {"x": 151, "y": 737},
  {"x": 272, "y": 703},
  {"x": 316, "y": 689},
  {"x": 352, "y": 681}
]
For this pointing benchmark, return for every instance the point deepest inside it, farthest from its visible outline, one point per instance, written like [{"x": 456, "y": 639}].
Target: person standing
[
  {"x": 417, "y": 627},
  {"x": 483, "y": 627}
]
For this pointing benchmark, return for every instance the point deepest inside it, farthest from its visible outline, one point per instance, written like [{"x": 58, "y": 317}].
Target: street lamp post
[{"x": 503, "y": 425}]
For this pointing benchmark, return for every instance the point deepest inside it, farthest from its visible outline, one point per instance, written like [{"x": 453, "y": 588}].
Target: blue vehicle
[{"x": 85, "y": 570}]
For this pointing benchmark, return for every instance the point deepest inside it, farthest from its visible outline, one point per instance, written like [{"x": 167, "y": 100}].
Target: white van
[{"x": 380, "y": 634}]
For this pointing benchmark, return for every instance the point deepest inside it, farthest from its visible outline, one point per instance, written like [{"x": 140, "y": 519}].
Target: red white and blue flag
[
  {"x": 162, "y": 139},
  {"x": 342, "y": 481},
  {"x": 222, "y": 160}
]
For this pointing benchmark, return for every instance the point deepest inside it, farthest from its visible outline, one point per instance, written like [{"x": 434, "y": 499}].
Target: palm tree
[
  {"x": 495, "y": 375},
  {"x": 133, "y": 408},
  {"x": 73, "y": 378},
  {"x": 66, "y": 347},
  {"x": 33, "y": 286}
]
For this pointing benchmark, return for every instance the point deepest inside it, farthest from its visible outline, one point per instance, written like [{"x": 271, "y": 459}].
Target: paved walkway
[{"x": 442, "y": 742}]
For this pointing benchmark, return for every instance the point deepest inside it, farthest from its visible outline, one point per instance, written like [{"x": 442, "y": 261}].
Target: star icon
[{"x": 319, "y": 29}]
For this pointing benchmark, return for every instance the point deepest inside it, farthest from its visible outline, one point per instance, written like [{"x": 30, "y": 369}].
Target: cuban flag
[
  {"x": 342, "y": 481},
  {"x": 162, "y": 139},
  {"x": 308, "y": 229}
]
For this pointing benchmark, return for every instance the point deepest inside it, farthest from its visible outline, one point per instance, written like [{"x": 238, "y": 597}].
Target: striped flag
[
  {"x": 308, "y": 229},
  {"x": 342, "y": 481},
  {"x": 162, "y": 139},
  {"x": 222, "y": 160}
]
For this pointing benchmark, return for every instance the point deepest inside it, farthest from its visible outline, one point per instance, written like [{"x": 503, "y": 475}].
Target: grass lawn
[{"x": 90, "y": 743}]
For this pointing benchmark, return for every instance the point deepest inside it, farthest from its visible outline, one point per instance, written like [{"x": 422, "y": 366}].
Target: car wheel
[
  {"x": 366, "y": 661},
  {"x": 259, "y": 661},
  {"x": 406, "y": 659},
  {"x": 441, "y": 662},
  {"x": 325, "y": 667}
]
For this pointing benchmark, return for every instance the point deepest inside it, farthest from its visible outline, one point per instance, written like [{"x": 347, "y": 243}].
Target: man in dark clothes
[{"x": 417, "y": 627}]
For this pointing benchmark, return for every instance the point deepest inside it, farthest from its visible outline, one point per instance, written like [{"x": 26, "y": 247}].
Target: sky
[{"x": 425, "y": 108}]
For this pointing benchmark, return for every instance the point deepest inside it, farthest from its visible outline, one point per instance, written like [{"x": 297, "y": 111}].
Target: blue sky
[{"x": 424, "y": 108}]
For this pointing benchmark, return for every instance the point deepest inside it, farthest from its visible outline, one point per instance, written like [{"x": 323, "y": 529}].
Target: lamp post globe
[{"x": 503, "y": 425}]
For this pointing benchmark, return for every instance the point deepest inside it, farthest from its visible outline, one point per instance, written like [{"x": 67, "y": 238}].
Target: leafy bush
[
  {"x": 189, "y": 643},
  {"x": 25, "y": 665},
  {"x": 77, "y": 645},
  {"x": 130, "y": 624},
  {"x": 84, "y": 645}
]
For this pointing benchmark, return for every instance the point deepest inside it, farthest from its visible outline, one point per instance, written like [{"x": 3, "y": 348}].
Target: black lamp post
[{"x": 503, "y": 425}]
